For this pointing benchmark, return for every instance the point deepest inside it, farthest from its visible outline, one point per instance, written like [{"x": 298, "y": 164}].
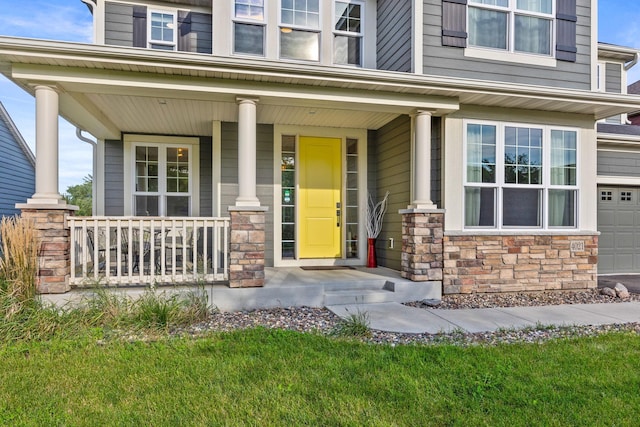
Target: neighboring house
[
  {"x": 634, "y": 89},
  {"x": 479, "y": 119},
  {"x": 618, "y": 169},
  {"x": 17, "y": 167}
]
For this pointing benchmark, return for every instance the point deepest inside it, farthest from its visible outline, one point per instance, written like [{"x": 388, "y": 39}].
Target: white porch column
[
  {"x": 247, "y": 152},
  {"x": 422, "y": 162},
  {"x": 46, "y": 148}
]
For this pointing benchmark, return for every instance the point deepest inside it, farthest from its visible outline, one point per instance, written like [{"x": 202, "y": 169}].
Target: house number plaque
[{"x": 577, "y": 246}]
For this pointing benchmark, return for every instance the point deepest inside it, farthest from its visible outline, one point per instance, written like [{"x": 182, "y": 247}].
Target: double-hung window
[
  {"x": 347, "y": 33},
  {"x": 162, "y": 29},
  {"x": 249, "y": 27},
  {"x": 520, "y": 176},
  {"x": 524, "y": 26},
  {"x": 163, "y": 180},
  {"x": 300, "y": 29}
]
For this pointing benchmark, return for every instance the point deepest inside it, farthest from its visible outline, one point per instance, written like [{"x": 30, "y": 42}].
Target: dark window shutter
[
  {"x": 566, "y": 19},
  {"x": 454, "y": 23},
  {"x": 184, "y": 31},
  {"x": 139, "y": 26}
]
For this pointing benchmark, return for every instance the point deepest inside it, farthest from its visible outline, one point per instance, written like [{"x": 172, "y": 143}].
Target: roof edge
[{"x": 4, "y": 115}]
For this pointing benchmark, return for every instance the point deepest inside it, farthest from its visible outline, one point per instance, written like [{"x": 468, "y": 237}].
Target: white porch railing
[{"x": 143, "y": 250}]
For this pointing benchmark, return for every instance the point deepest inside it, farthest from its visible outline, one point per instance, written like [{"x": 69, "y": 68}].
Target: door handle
[{"x": 338, "y": 217}]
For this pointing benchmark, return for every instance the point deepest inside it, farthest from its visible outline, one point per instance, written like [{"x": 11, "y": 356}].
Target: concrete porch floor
[{"x": 293, "y": 286}]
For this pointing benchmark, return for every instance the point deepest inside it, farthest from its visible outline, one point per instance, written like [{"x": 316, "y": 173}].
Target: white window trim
[
  {"x": 302, "y": 27},
  {"x": 499, "y": 183},
  {"x": 360, "y": 35},
  {"x": 513, "y": 57},
  {"x": 601, "y": 81},
  {"x": 133, "y": 140},
  {"x": 174, "y": 13},
  {"x": 258, "y": 22},
  {"x": 510, "y": 51},
  {"x": 320, "y": 30}
]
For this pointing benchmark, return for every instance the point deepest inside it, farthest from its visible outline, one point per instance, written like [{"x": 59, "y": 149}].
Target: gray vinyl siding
[
  {"x": 612, "y": 163},
  {"x": 119, "y": 28},
  {"x": 206, "y": 182},
  {"x": 113, "y": 178},
  {"x": 436, "y": 160},
  {"x": 393, "y": 175},
  {"x": 118, "y": 25},
  {"x": 372, "y": 165},
  {"x": 264, "y": 177},
  {"x": 393, "y": 50},
  {"x": 613, "y": 78},
  {"x": 17, "y": 174},
  {"x": 450, "y": 61}
]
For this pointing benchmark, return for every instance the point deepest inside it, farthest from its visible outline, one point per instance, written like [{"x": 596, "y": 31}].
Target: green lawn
[{"x": 263, "y": 377}]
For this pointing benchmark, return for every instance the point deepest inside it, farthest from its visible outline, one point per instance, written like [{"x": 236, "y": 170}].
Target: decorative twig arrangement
[{"x": 375, "y": 214}]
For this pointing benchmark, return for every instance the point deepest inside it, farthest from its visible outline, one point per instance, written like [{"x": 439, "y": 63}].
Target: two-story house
[
  {"x": 17, "y": 166},
  {"x": 479, "y": 118}
]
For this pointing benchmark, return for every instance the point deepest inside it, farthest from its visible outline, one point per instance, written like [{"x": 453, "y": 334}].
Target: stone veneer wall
[
  {"x": 246, "y": 249},
  {"x": 479, "y": 264},
  {"x": 54, "y": 262},
  {"x": 422, "y": 233}
]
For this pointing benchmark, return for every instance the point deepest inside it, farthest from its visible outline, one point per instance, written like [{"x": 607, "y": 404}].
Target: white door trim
[{"x": 342, "y": 133}]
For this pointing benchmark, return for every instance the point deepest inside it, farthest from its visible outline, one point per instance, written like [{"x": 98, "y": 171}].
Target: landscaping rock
[
  {"x": 608, "y": 292},
  {"x": 622, "y": 291},
  {"x": 431, "y": 302}
]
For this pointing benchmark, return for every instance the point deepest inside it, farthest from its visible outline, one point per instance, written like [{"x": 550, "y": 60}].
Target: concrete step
[
  {"x": 357, "y": 296},
  {"x": 345, "y": 285}
]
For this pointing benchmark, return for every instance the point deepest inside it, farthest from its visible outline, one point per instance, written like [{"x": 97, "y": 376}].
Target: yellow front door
[{"x": 320, "y": 200}]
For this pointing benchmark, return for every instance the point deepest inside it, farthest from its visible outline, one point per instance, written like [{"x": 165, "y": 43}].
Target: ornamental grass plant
[{"x": 18, "y": 264}]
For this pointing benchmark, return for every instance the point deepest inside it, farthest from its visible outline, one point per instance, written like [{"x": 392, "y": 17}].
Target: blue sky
[{"x": 619, "y": 23}]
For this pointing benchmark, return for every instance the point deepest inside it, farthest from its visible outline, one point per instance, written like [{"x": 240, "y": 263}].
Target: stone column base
[
  {"x": 246, "y": 251},
  {"x": 54, "y": 262},
  {"x": 422, "y": 250}
]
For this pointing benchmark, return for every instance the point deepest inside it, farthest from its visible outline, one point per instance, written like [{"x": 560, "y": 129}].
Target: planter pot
[{"x": 371, "y": 253}]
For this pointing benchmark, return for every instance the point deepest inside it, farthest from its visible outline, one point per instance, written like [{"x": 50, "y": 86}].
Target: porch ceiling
[
  {"x": 105, "y": 89},
  {"x": 174, "y": 116}
]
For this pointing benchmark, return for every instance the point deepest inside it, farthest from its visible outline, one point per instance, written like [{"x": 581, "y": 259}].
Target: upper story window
[
  {"x": 249, "y": 27},
  {"x": 300, "y": 29},
  {"x": 524, "y": 26},
  {"x": 347, "y": 36},
  {"x": 162, "y": 30},
  {"x": 520, "y": 176}
]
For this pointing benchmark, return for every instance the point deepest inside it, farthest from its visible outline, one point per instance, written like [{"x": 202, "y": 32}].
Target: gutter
[
  {"x": 629, "y": 65},
  {"x": 90, "y": 4},
  {"x": 94, "y": 167}
]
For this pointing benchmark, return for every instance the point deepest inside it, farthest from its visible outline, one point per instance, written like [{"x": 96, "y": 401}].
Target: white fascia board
[
  {"x": 618, "y": 180},
  {"x": 119, "y": 58},
  {"x": 617, "y": 139},
  {"x": 101, "y": 81}
]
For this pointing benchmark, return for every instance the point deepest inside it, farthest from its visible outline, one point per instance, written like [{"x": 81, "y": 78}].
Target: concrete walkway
[{"x": 395, "y": 317}]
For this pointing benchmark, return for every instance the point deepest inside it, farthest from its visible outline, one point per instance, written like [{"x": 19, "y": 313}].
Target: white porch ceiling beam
[
  {"x": 87, "y": 116},
  {"x": 153, "y": 85}
]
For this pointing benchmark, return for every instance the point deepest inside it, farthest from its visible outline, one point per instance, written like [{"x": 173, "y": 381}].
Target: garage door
[{"x": 619, "y": 225}]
